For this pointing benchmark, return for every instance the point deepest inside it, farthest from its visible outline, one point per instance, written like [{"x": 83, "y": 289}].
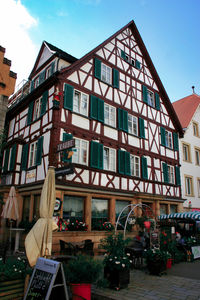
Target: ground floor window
[
  {"x": 99, "y": 213},
  {"x": 73, "y": 208},
  {"x": 26, "y": 208},
  {"x": 119, "y": 206},
  {"x": 173, "y": 209},
  {"x": 163, "y": 209},
  {"x": 36, "y": 207}
]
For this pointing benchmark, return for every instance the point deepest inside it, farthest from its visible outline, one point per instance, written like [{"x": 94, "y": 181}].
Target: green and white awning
[{"x": 194, "y": 215}]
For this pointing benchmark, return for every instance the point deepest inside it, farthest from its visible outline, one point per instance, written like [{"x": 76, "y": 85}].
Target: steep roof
[
  {"x": 185, "y": 108},
  {"x": 149, "y": 62},
  {"x": 53, "y": 52}
]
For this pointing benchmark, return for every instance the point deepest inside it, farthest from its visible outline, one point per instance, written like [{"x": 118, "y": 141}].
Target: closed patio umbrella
[
  {"x": 38, "y": 242},
  {"x": 11, "y": 208}
]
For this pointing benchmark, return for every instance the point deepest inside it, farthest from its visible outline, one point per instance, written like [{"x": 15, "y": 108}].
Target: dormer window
[
  {"x": 36, "y": 82},
  {"x": 48, "y": 72}
]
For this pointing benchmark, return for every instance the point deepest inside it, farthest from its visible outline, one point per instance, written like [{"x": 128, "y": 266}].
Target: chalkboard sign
[{"x": 47, "y": 281}]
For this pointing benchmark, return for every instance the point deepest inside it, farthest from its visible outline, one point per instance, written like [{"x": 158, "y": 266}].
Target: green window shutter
[
  {"x": 94, "y": 107},
  {"x": 44, "y": 103},
  {"x": 175, "y": 140},
  {"x": 123, "y": 54},
  {"x": 157, "y": 101},
  {"x": 97, "y": 68},
  {"x": 121, "y": 159},
  {"x": 6, "y": 158},
  {"x": 52, "y": 67},
  {"x": 162, "y": 133},
  {"x": 39, "y": 151},
  {"x": 41, "y": 77},
  {"x": 100, "y": 110},
  {"x": 137, "y": 64},
  {"x": 30, "y": 113},
  {"x": 178, "y": 176},
  {"x": 127, "y": 164},
  {"x": 165, "y": 173},
  {"x": 144, "y": 167},
  {"x": 125, "y": 120},
  {"x": 141, "y": 127},
  {"x": 96, "y": 155},
  {"x": 115, "y": 78},
  {"x": 24, "y": 157},
  {"x": 120, "y": 118},
  {"x": 68, "y": 97},
  {"x": 66, "y": 137},
  {"x": 12, "y": 158},
  {"x": 144, "y": 92}
]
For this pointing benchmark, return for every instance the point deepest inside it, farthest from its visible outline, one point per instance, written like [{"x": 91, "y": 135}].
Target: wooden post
[
  {"x": 112, "y": 213},
  {"x": 87, "y": 211}
]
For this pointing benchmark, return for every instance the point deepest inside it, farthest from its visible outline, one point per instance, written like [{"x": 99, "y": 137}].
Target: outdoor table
[{"x": 17, "y": 231}]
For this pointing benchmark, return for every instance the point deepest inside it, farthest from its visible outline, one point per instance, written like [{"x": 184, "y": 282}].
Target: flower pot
[
  {"x": 81, "y": 290},
  {"x": 117, "y": 278},
  {"x": 169, "y": 263},
  {"x": 156, "y": 267}
]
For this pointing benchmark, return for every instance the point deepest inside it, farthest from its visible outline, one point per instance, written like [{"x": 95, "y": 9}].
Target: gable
[
  {"x": 44, "y": 56},
  {"x": 132, "y": 78}
]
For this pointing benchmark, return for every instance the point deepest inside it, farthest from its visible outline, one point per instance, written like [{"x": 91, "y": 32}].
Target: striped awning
[{"x": 194, "y": 215}]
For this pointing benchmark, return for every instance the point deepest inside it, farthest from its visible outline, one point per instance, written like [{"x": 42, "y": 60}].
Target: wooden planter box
[{"x": 12, "y": 289}]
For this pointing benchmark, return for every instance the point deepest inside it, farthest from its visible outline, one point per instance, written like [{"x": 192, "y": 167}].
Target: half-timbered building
[{"x": 113, "y": 104}]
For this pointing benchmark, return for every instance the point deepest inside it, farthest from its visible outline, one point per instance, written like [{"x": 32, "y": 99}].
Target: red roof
[{"x": 185, "y": 108}]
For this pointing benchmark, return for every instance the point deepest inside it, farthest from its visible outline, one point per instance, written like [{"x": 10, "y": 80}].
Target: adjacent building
[
  {"x": 112, "y": 103},
  {"x": 188, "y": 111}
]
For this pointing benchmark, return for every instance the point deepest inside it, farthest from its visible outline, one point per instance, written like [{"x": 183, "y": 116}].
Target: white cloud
[{"x": 15, "y": 23}]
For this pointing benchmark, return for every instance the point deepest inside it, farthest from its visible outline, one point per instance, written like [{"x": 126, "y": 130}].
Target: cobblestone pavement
[{"x": 149, "y": 287}]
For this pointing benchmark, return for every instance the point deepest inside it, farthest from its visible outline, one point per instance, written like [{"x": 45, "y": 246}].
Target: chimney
[{"x": 193, "y": 89}]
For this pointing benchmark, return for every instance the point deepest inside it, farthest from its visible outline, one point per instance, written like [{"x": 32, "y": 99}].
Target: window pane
[
  {"x": 119, "y": 206},
  {"x": 173, "y": 209},
  {"x": 163, "y": 209},
  {"x": 36, "y": 206},
  {"x": 99, "y": 212},
  {"x": 25, "y": 211},
  {"x": 76, "y": 104},
  {"x": 73, "y": 208}
]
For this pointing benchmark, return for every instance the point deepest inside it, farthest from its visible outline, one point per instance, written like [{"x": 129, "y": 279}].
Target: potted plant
[
  {"x": 12, "y": 277},
  {"x": 80, "y": 273},
  {"x": 116, "y": 261},
  {"x": 156, "y": 260}
]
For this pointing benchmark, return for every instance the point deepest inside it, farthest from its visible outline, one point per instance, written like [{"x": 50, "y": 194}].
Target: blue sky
[{"x": 169, "y": 29}]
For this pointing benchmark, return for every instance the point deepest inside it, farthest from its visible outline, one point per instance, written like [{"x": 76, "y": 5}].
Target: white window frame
[
  {"x": 81, "y": 147},
  {"x": 32, "y": 154},
  {"x": 106, "y": 73},
  {"x": 109, "y": 159},
  {"x": 150, "y": 98},
  {"x": 78, "y": 105},
  {"x": 132, "y": 125},
  {"x": 109, "y": 115},
  {"x": 170, "y": 171},
  {"x": 168, "y": 139},
  {"x": 37, "y": 108},
  {"x": 135, "y": 165}
]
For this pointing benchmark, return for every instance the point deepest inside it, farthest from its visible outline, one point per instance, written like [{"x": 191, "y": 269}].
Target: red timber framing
[{"x": 128, "y": 127}]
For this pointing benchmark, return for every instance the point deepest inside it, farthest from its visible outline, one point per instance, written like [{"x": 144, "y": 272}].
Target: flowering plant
[
  {"x": 13, "y": 268},
  {"x": 116, "y": 257},
  {"x": 102, "y": 225},
  {"x": 68, "y": 225},
  {"x": 156, "y": 255}
]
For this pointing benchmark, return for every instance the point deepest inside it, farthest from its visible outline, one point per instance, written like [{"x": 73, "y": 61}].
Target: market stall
[{"x": 185, "y": 229}]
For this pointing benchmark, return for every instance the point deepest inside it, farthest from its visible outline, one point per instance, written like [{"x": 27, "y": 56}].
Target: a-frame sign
[{"x": 47, "y": 281}]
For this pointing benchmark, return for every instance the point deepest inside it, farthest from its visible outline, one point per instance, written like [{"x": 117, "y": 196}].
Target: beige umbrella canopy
[
  {"x": 38, "y": 242},
  {"x": 11, "y": 208}
]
